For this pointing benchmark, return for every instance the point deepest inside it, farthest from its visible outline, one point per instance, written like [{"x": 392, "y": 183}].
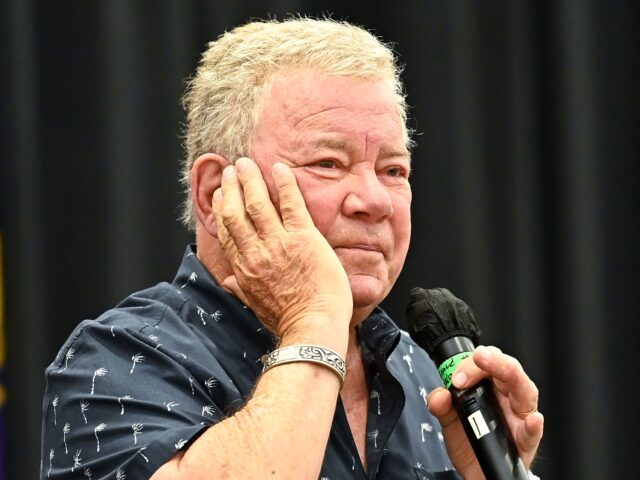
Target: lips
[
  {"x": 367, "y": 247},
  {"x": 363, "y": 247}
]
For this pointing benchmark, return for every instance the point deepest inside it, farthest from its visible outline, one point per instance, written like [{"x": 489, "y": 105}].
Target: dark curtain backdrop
[{"x": 525, "y": 185}]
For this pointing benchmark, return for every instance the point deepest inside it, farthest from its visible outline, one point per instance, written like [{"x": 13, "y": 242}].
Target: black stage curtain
[{"x": 525, "y": 181}]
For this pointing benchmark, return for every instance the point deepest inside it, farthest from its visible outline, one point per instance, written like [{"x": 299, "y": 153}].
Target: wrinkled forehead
[{"x": 304, "y": 97}]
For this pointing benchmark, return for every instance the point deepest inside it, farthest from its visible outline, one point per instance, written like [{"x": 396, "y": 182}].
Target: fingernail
[
  {"x": 228, "y": 172},
  {"x": 217, "y": 195},
  {"x": 242, "y": 164},
  {"x": 460, "y": 379}
]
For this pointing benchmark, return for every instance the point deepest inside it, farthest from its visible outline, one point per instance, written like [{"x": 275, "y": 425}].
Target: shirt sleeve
[{"x": 119, "y": 405}]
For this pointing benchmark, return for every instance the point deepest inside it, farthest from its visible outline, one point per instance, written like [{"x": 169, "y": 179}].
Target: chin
[{"x": 367, "y": 291}]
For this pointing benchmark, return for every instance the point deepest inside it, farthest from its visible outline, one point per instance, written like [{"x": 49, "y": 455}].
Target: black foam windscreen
[{"x": 435, "y": 315}]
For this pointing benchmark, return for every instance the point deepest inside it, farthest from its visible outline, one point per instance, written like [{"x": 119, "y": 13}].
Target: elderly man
[{"x": 297, "y": 171}]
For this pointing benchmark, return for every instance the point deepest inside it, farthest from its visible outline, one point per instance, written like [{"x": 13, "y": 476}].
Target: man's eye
[
  {"x": 326, "y": 164},
  {"x": 395, "y": 172}
]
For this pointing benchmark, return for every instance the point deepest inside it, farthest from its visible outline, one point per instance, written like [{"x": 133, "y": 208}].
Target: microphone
[{"x": 446, "y": 328}]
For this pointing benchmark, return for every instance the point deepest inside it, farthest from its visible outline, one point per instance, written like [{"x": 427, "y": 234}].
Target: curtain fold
[{"x": 525, "y": 180}]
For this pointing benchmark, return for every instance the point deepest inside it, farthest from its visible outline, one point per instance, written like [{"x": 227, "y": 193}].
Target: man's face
[{"x": 343, "y": 139}]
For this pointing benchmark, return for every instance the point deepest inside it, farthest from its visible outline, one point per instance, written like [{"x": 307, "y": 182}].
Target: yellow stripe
[{"x": 2, "y": 345}]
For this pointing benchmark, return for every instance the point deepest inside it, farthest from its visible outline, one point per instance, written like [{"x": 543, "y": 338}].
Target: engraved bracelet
[{"x": 306, "y": 353}]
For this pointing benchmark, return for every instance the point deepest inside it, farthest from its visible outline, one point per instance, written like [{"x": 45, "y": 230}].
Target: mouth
[
  {"x": 369, "y": 248},
  {"x": 365, "y": 247}
]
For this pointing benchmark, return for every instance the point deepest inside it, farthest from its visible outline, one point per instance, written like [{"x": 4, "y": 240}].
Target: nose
[{"x": 367, "y": 198}]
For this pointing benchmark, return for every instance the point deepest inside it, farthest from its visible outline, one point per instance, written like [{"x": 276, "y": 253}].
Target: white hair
[{"x": 224, "y": 99}]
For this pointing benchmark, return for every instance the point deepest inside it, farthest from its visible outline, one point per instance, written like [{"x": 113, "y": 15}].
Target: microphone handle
[
  {"x": 486, "y": 430},
  {"x": 481, "y": 416}
]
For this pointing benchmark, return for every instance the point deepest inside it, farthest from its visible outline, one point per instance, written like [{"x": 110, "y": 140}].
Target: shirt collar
[
  {"x": 196, "y": 284},
  {"x": 192, "y": 274},
  {"x": 380, "y": 334}
]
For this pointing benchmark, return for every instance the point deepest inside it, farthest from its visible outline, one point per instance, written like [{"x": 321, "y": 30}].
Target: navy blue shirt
[{"x": 131, "y": 388}]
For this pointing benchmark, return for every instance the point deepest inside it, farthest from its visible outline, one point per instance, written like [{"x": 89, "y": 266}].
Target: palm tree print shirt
[{"x": 141, "y": 382}]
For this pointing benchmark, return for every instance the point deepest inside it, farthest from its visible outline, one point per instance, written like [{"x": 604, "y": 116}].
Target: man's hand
[
  {"x": 285, "y": 270},
  {"x": 288, "y": 274},
  {"x": 517, "y": 396}
]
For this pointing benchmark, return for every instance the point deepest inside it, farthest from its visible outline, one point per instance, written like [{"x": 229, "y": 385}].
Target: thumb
[
  {"x": 230, "y": 284},
  {"x": 441, "y": 406}
]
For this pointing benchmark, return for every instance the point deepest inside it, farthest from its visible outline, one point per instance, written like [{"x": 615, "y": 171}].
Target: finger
[
  {"x": 228, "y": 245},
  {"x": 529, "y": 434},
  {"x": 257, "y": 202},
  {"x": 441, "y": 406},
  {"x": 293, "y": 210},
  {"x": 234, "y": 215},
  {"x": 468, "y": 374},
  {"x": 509, "y": 378}
]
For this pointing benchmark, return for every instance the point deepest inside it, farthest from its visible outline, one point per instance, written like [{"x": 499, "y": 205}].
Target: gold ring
[{"x": 526, "y": 414}]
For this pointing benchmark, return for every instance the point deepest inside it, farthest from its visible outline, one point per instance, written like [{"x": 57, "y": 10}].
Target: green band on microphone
[{"x": 449, "y": 366}]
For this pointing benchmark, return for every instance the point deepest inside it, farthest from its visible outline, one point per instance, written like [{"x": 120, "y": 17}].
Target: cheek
[
  {"x": 322, "y": 201},
  {"x": 322, "y": 209},
  {"x": 402, "y": 225}
]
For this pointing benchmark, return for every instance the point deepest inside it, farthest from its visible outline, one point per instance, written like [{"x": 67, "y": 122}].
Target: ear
[{"x": 206, "y": 176}]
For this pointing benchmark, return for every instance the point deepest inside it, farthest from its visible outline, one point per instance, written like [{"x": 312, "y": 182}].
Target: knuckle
[
  {"x": 255, "y": 206},
  {"x": 514, "y": 364},
  {"x": 288, "y": 209},
  {"x": 229, "y": 215},
  {"x": 288, "y": 204},
  {"x": 535, "y": 392},
  {"x": 495, "y": 350},
  {"x": 293, "y": 209},
  {"x": 227, "y": 241},
  {"x": 512, "y": 368},
  {"x": 223, "y": 234}
]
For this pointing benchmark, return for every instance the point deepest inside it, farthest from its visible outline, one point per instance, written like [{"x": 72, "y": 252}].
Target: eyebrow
[{"x": 335, "y": 144}]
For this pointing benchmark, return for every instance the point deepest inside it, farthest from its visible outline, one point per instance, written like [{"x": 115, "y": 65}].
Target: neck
[
  {"x": 212, "y": 256},
  {"x": 355, "y": 395},
  {"x": 354, "y": 380},
  {"x": 353, "y": 348},
  {"x": 359, "y": 315}
]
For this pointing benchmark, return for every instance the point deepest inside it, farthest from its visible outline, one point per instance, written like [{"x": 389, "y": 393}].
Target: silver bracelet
[{"x": 306, "y": 353}]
